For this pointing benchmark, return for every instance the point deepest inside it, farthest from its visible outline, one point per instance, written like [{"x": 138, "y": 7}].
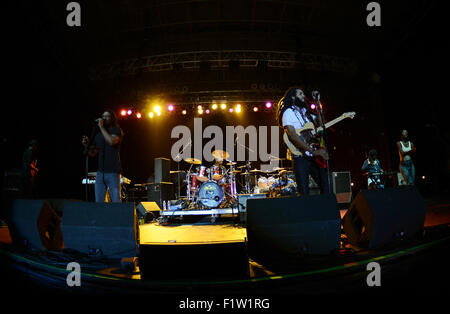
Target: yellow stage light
[
  {"x": 223, "y": 106},
  {"x": 214, "y": 106}
]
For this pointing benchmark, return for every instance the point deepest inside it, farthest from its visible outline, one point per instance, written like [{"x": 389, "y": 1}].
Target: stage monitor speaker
[
  {"x": 162, "y": 170},
  {"x": 378, "y": 217},
  {"x": 35, "y": 224},
  {"x": 148, "y": 210},
  {"x": 293, "y": 226},
  {"x": 342, "y": 186},
  {"x": 109, "y": 228},
  {"x": 159, "y": 192}
]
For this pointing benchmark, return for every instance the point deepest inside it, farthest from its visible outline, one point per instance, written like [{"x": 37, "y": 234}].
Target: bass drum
[{"x": 210, "y": 194}]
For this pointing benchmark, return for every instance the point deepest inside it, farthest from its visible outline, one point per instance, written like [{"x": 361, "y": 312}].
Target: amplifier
[
  {"x": 242, "y": 203},
  {"x": 342, "y": 187},
  {"x": 162, "y": 170},
  {"x": 159, "y": 192}
]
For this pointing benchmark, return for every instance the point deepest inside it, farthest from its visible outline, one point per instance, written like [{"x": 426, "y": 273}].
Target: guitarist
[
  {"x": 29, "y": 168},
  {"x": 293, "y": 114}
]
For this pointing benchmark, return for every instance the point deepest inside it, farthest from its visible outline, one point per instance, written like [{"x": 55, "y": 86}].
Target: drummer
[{"x": 218, "y": 170}]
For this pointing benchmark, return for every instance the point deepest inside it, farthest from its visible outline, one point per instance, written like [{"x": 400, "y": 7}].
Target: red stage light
[
  {"x": 138, "y": 115},
  {"x": 170, "y": 107},
  {"x": 184, "y": 112},
  {"x": 255, "y": 109},
  {"x": 123, "y": 112},
  {"x": 129, "y": 112},
  {"x": 313, "y": 106},
  {"x": 268, "y": 105}
]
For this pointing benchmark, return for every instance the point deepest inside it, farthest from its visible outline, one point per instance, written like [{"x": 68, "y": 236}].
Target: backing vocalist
[{"x": 106, "y": 144}]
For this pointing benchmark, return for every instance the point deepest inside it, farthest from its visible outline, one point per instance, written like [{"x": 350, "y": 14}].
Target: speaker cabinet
[
  {"x": 193, "y": 261},
  {"x": 342, "y": 187},
  {"x": 109, "y": 228},
  {"x": 242, "y": 201},
  {"x": 293, "y": 226},
  {"x": 35, "y": 224},
  {"x": 159, "y": 192},
  {"x": 377, "y": 217},
  {"x": 162, "y": 170}
]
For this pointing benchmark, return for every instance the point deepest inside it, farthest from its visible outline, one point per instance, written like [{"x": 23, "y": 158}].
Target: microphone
[
  {"x": 315, "y": 95},
  {"x": 96, "y": 120}
]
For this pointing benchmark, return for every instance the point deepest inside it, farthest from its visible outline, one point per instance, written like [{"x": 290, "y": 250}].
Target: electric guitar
[
  {"x": 33, "y": 169},
  {"x": 309, "y": 134}
]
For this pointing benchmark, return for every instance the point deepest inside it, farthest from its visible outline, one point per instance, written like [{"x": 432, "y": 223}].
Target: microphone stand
[
  {"x": 324, "y": 134},
  {"x": 86, "y": 153}
]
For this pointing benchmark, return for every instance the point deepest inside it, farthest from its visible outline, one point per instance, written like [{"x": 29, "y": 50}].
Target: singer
[
  {"x": 293, "y": 114},
  {"x": 106, "y": 144}
]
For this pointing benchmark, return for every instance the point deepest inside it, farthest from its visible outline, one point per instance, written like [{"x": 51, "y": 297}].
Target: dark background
[{"x": 398, "y": 80}]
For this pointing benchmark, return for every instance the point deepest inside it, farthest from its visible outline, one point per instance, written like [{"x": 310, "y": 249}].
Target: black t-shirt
[{"x": 108, "y": 156}]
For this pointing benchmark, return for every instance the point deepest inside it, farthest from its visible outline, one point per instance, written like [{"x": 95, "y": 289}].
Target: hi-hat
[
  {"x": 220, "y": 154},
  {"x": 193, "y": 161},
  {"x": 231, "y": 163}
]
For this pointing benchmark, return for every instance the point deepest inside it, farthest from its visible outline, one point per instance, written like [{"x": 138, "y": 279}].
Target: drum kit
[{"x": 216, "y": 186}]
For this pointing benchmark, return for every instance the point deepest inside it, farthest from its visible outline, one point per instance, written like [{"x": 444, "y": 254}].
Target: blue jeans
[
  {"x": 110, "y": 181},
  {"x": 303, "y": 167},
  {"x": 408, "y": 171}
]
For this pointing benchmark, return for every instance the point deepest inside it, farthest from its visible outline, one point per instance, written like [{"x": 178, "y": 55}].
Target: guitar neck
[{"x": 332, "y": 122}]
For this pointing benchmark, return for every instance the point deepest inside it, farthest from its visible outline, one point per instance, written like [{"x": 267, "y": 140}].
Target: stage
[{"x": 205, "y": 258}]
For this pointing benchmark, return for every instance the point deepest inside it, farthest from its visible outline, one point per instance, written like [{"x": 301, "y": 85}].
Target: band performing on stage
[{"x": 220, "y": 185}]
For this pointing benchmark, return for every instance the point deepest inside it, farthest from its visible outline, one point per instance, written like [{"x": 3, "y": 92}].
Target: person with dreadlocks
[{"x": 293, "y": 114}]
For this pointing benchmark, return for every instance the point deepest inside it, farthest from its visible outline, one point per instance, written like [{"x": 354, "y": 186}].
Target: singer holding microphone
[
  {"x": 293, "y": 114},
  {"x": 106, "y": 143}
]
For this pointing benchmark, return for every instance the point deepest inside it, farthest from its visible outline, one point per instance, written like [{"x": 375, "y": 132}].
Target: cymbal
[
  {"x": 231, "y": 163},
  {"x": 277, "y": 158},
  {"x": 177, "y": 171},
  {"x": 242, "y": 166},
  {"x": 193, "y": 161},
  {"x": 220, "y": 154},
  {"x": 244, "y": 173},
  {"x": 255, "y": 171},
  {"x": 278, "y": 169},
  {"x": 236, "y": 171}
]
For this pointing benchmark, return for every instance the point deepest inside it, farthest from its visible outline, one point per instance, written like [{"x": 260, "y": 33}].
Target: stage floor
[{"x": 154, "y": 233}]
